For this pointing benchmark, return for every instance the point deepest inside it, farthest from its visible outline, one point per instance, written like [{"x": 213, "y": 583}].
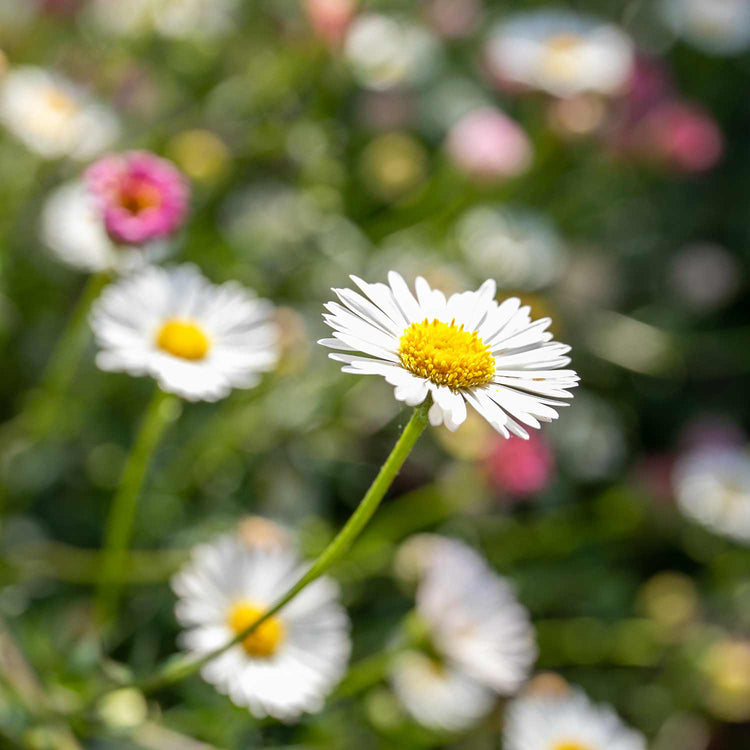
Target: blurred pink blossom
[
  {"x": 330, "y": 18},
  {"x": 454, "y": 18},
  {"x": 488, "y": 145},
  {"x": 142, "y": 196},
  {"x": 655, "y": 124},
  {"x": 681, "y": 135},
  {"x": 520, "y": 467}
]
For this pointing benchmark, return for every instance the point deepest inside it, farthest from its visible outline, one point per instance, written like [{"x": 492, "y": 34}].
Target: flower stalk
[
  {"x": 42, "y": 411},
  {"x": 162, "y": 410},
  {"x": 178, "y": 668}
]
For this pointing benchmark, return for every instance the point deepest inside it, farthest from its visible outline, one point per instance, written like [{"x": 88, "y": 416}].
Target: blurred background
[{"x": 591, "y": 157}]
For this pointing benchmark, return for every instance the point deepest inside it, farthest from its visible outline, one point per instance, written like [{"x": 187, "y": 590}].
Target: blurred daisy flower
[
  {"x": 197, "y": 339},
  {"x": 385, "y": 52},
  {"x": 560, "y": 52},
  {"x": 141, "y": 196},
  {"x": 178, "y": 19},
  {"x": 712, "y": 486},
  {"x": 567, "y": 721},
  {"x": 480, "y": 642},
  {"x": 437, "y": 695},
  {"x": 467, "y": 348},
  {"x": 488, "y": 145},
  {"x": 518, "y": 247},
  {"x": 719, "y": 27},
  {"x": 290, "y": 663},
  {"x": 54, "y": 117},
  {"x": 73, "y": 229}
]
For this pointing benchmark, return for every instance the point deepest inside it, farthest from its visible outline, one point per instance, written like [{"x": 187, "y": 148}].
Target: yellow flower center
[
  {"x": 446, "y": 354},
  {"x": 571, "y": 746},
  {"x": 183, "y": 339},
  {"x": 60, "y": 102},
  {"x": 265, "y": 640},
  {"x": 136, "y": 196}
]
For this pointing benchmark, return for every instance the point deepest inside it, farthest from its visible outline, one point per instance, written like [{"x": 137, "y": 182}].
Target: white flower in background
[
  {"x": 73, "y": 229},
  {"x": 712, "y": 486},
  {"x": 719, "y": 27},
  {"x": 386, "y": 52},
  {"x": 517, "y": 247},
  {"x": 565, "y": 722},
  {"x": 437, "y": 695},
  {"x": 592, "y": 444},
  {"x": 467, "y": 348},
  {"x": 474, "y": 618},
  {"x": 292, "y": 661},
  {"x": 170, "y": 18},
  {"x": 481, "y": 642},
  {"x": 54, "y": 117},
  {"x": 560, "y": 52},
  {"x": 194, "y": 18},
  {"x": 197, "y": 339}
]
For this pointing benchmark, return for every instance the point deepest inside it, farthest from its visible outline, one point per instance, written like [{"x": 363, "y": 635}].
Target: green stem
[
  {"x": 175, "y": 670},
  {"x": 40, "y": 416},
  {"x": 119, "y": 528}
]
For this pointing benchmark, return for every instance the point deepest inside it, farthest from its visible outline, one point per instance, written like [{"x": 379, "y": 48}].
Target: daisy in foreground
[
  {"x": 288, "y": 665},
  {"x": 479, "y": 642},
  {"x": 464, "y": 349},
  {"x": 566, "y": 722},
  {"x": 197, "y": 339}
]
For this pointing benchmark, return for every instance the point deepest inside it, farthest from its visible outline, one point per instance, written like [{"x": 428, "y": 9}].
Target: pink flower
[
  {"x": 520, "y": 467},
  {"x": 330, "y": 18},
  {"x": 142, "y": 197},
  {"x": 683, "y": 136},
  {"x": 488, "y": 145}
]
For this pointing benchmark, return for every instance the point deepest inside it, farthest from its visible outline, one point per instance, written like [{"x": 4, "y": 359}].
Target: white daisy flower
[
  {"x": 712, "y": 486},
  {"x": 719, "y": 27},
  {"x": 73, "y": 229},
  {"x": 560, "y": 52},
  {"x": 197, "y": 339},
  {"x": 474, "y": 619},
  {"x": 566, "y": 722},
  {"x": 53, "y": 116},
  {"x": 385, "y": 52},
  {"x": 438, "y": 695},
  {"x": 292, "y": 661},
  {"x": 464, "y": 349},
  {"x": 178, "y": 19}
]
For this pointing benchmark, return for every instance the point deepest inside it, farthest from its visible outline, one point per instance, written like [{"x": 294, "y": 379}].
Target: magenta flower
[
  {"x": 142, "y": 196},
  {"x": 520, "y": 468},
  {"x": 488, "y": 145}
]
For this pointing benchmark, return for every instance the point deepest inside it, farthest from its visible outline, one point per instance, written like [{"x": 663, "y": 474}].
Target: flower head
[
  {"x": 712, "y": 485},
  {"x": 567, "y": 721},
  {"x": 141, "y": 196},
  {"x": 560, "y": 52},
  {"x": 481, "y": 643},
  {"x": 438, "y": 695},
  {"x": 290, "y": 662},
  {"x": 54, "y": 117},
  {"x": 719, "y": 27},
  {"x": 520, "y": 467},
  {"x": 487, "y": 144},
  {"x": 73, "y": 229},
  {"x": 197, "y": 339},
  {"x": 464, "y": 349}
]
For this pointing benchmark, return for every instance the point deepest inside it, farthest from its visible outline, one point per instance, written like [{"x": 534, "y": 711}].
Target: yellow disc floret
[
  {"x": 571, "y": 746},
  {"x": 265, "y": 640},
  {"x": 183, "y": 339},
  {"x": 446, "y": 354}
]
